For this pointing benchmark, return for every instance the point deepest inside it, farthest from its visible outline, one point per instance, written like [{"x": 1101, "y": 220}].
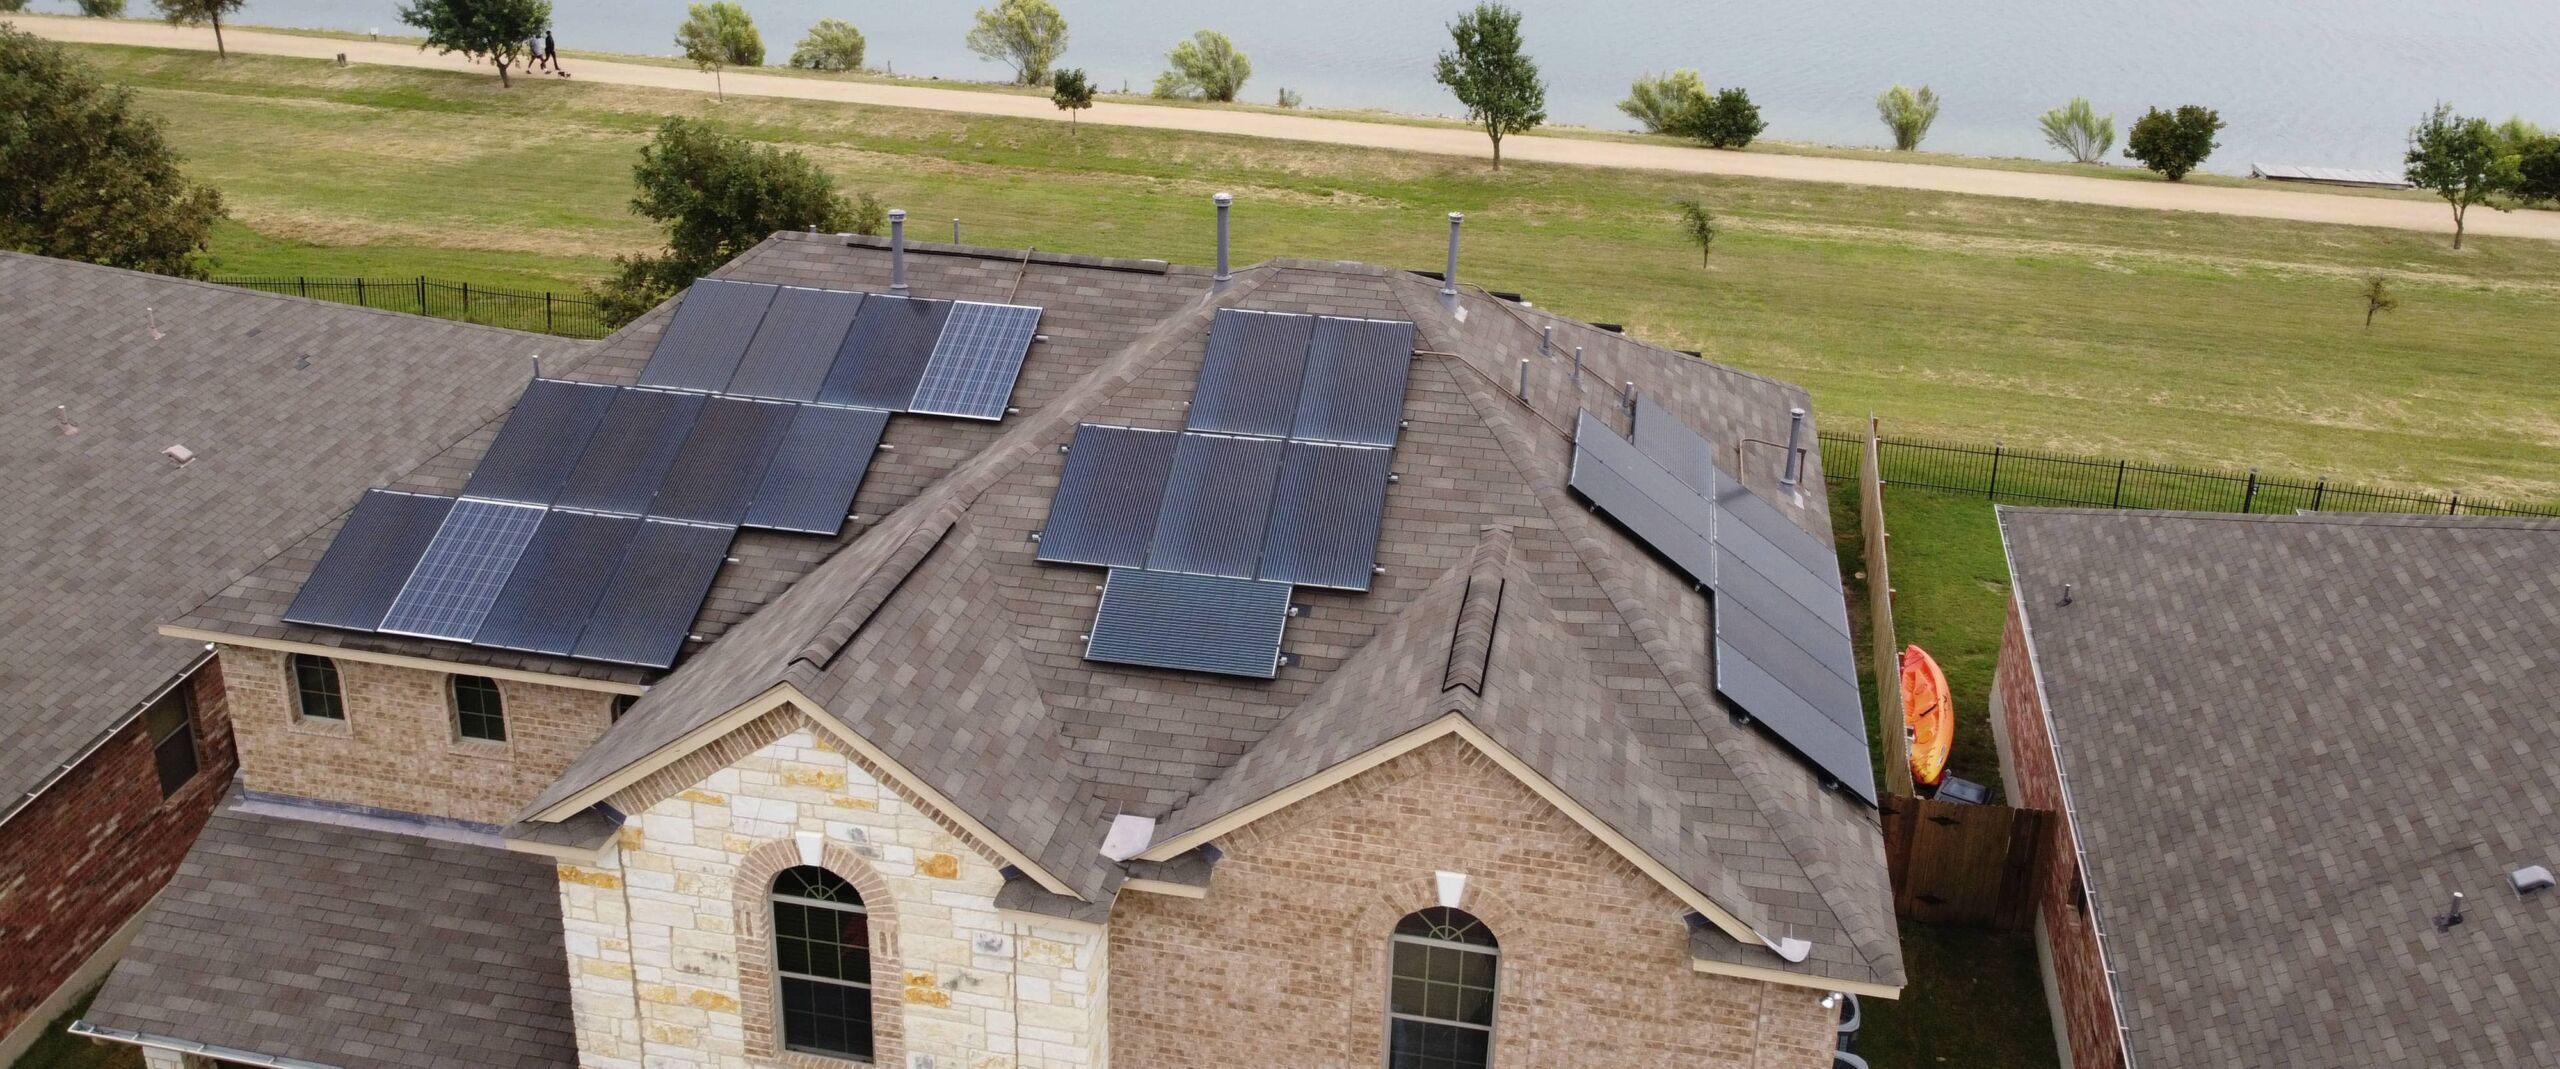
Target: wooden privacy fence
[
  {"x": 1887, "y": 650},
  {"x": 1974, "y": 865}
]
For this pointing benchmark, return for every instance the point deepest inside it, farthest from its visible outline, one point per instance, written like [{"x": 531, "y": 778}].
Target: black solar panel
[
  {"x": 1324, "y": 516},
  {"x": 556, "y": 582},
  {"x": 1215, "y": 505},
  {"x": 975, "y": 360},
  {"x": 646, "y": 611},
  {"x": 723, "y": 461},
  {"x": 1105, "y": 508},
  {"x": 369, "y": 561},
  {"x": 1736, "y": 503},
  {"x": 463, "y": 569},
  {"x": 797, "y": 343},
  {"x": 540, "y": 443},
  {"x": 1839, "y": 753},
  {"x": 809, "y": 486},
  {"x": 709, "y": 333},
  {"x": 1674, "y": 445},
  {"x": 1195, "y": 622},
  {"x": 631, "y": 450},
  {"x": 1354, "y": 385},
  {"x": 1644, "y": 498},
  {"x": 1249, "y": 378},
  {"x": 883, "y": 356}
]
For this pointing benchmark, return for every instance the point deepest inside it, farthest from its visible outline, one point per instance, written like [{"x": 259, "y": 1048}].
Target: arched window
[
  {"x": 1440, "y": 994},
  {"x": 479, "y": 712},
  {"x": 822, "y": 960},
  {"x": 317, "y": 694}
]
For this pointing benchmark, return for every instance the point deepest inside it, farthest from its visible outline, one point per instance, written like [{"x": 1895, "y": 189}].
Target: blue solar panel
[
  {"x": 371, "y": 558},
  {"x": 464, "y": 568},
  {"x": 1197, "y": 622},
  {"x": 975, "y": 360}
]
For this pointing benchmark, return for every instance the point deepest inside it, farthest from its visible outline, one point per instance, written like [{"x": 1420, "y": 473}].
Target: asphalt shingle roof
[
  {"x": 292, "y": 407},
  {"x": 350, "y": 947},
  {"x": 2289, "y": 740}
]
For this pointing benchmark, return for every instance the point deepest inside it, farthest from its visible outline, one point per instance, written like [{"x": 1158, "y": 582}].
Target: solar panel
[
  {"x": 1215, "y": 505},
  {"x": 1196, "y": 622},
  {"x": 630, "y": 452},
  {"x": 1841, "y": 754},
  {"x": 646, "y": 611},
  {"x": 723, "y": 460},
  {"x": 1105, "y": 508},
  {"x": 795, "y": 345},
  {"x": 975, "y": 360},
  {"x": 883, "y": 356},
  {"x": 463, "y": 569},
  {"x": 809, "y": 486},
  {"x": 1736, "y": 503},
  {"x": 554, "y": 588},
  {"x": 1354, "y": 385},
  {"x": 1249, "y": 378},
  {"x": 1672, "y": 444},
  {"x": 1325, "y": 514},
  {"x": 533, "y": 454},
  {"x": 376, "y": 549},
  {"x": 703, "y": 343},
  {"x": 1644, "y": 498}
]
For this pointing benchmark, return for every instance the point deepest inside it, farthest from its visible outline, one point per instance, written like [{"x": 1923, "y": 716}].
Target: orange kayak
[{"x": 1928, "y": 716}]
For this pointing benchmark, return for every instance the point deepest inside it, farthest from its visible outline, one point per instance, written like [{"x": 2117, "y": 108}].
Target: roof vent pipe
[
  {"x": 1224, "y": 201},
  {"x": 897, "y": 248},
  {"x": 1795, "y": 450},
  {"x": 1449, "y": 278}
]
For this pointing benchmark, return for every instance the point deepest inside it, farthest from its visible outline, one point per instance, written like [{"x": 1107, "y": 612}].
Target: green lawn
[{"x": 62, "y": 1050}]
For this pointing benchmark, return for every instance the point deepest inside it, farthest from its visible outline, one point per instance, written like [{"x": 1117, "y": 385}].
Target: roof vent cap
[
  {"x": 2531, "y": 879},
  {"x": 179, "y": 454}
]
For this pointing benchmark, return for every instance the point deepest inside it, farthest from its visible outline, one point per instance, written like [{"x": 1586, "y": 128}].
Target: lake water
[{"x": 2316, "y": 82}]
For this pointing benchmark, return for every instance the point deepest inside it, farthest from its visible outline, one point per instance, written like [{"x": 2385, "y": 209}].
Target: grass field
[
  {"x": 2188, "y": 338},
  {"x": 59, "y": 1049}
]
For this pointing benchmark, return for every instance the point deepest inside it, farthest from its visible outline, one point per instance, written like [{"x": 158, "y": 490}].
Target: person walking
[
  {"x": 533, "y": 53},
  {"x": 551, "y": 54}
]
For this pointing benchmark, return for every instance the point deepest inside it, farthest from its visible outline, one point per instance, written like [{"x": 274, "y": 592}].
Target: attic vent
[
  {"x": 2531, "y": 879},
  {"x": 1471, "y": 640}
]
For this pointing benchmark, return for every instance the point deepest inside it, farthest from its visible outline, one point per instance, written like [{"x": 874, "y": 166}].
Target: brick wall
[
  {"x": 89, "y": 852},
  {"x": 2027, "y": 765},
  {"x": 397, "y": 748},
  {"x": 1284, "y": 963}
]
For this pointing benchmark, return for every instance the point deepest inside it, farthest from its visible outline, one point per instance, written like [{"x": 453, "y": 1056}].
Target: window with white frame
[{"x": 1440, "y": 991}]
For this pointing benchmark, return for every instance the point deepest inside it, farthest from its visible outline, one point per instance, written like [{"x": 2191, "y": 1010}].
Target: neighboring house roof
[
  {"x": 287, "y": 937},
  {"x": 2287, "y": 742},
  {"x": 937, "y": 637},
  {"x": 291, "y": 408}
]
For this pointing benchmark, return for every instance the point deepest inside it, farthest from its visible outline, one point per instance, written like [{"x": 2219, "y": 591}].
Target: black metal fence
[
  {"x": 544, "y": 313},
  {"x": 2031, "y": 477}
]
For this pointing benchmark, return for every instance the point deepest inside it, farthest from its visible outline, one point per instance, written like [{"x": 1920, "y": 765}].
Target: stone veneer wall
[
  {"x": 1285, "y": 961},
  {"x": 397, "y": 748},
  {"x": 666, "y": 972}
]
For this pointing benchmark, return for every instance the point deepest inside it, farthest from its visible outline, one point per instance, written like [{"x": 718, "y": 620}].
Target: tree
[
  {"x": 84, "y": 174},
  {"x": 1907, "y": 114},
  {"x": 1206, "y": 66},
  {"x": 2538, "y": 169},
  {"x": 2078, "y": 129},
  {"x": 7, "y": 6},
  {"x": 2377, "y": 298},
  {"x": 1486, "y": 71},
  {"x": 1029, "y": 34},
  {"x": 2462, "y": 160},
  {"x": 491, "y": 30},
  {"x": 719, "y": 34},
  {"x": 1658, "y": 101},
  {"x": 832, "y": 45},
  {"x": 1730, "y": 120},
  {"x": 2173, "y": 142},
  {"x": 1072, "y": 92},
  {"x": 1289, "y": 98},
  {"x": 200, "y": 13},
  {"x": 102, "y": 9},
  {"x": 1700, "y": 225},
  {"x": 718, "y": 194}
]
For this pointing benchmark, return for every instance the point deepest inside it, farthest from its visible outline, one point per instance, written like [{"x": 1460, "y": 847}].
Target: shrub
[
  {"x": 88, "y": 176},
  {"x": 1907, "y": 114},
  {"x": 832, "y": 45},
  {"x": 2077, "y": 129},
  {"x": 716, "y": 195},
  {"x": 1657, "y": 101},
  {"x": 1289, "y": 98},
  {"x": 2538, "y": 169},
  {"x": 2377, "y": 298},
  {"x": 2174, "y": 142},
  {"x": 102, "y": 9},
  {"x": 1207, "y": 67},
  {"x": 1730, "y": 120},
  {"x": 1028, "y": 34},
  {"x": 1699, "y": 225}
]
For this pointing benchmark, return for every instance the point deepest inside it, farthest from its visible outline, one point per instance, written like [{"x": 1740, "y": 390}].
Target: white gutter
[{"x": 184, "y": 1046}]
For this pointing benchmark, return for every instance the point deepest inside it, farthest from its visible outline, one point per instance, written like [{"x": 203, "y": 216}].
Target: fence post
[
  {"x": 2250, "y": 495},
  {"x": 2117, "y": 501},
  {"x": 2453, "y": 507},
  {"x": 466, "y": 302},
  {"x": 1994, "y": 490},
  {"x": 2318, "y": 489},
  {"x": 360, "y": 293},
  {"x": 422, "y": 294},
  {"x": 302, "y": 285}
]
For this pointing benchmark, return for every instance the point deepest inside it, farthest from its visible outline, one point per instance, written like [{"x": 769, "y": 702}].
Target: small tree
[
  {"x": 1498, "y": 85},
  {"x": 1907, "y": 114},
  {"x": 102, "y": 9},
  {"x": 87, "y": 176},
  {"x": 1072, "y": 92},
  {"x": 1289, "y": 98},
  {"x": 200, "y": 13},
  {"x": 2078, "y": 129},
  {"x": 1730, "y": 120},
  {"x": 1207, "y": 66},
  {"x": 2174, "y": 142},
  {"x": 491, "y": 30},
  {"x": 2538, "y": 169},
  {"x": 1700, "y": 226},
  {"x": 1658, "y": 101},
  {"x": 2377, "y": 298},
  {"x": 719, "y": 34},
  {"x": 7, "y": 6},
  {"x": 832, "y": 45},
  {"x": 2462, "y": 160},
  {"x": 717, "y": 195},
  {"x": 1029, "y": 34}
]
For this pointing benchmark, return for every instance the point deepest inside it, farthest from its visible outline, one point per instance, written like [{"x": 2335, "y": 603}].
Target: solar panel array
[
  {"x": 600, "y": 515},
  {"x": 1782, "y": 650},
  {"x": 1278, "y": 479}
]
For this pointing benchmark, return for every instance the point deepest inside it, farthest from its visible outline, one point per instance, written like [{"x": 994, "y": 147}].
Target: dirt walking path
[{"x": 2293, "y": 205}]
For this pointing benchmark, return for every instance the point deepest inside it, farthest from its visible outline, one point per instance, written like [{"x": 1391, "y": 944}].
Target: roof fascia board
[
  {"x": 669, "y": 754},
  {"x": 563, "y": 852},
  {"x": 1860, "y": 988},
  {"x": 422, "y": 664},
  {"x": 1165, "y": 887}
]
